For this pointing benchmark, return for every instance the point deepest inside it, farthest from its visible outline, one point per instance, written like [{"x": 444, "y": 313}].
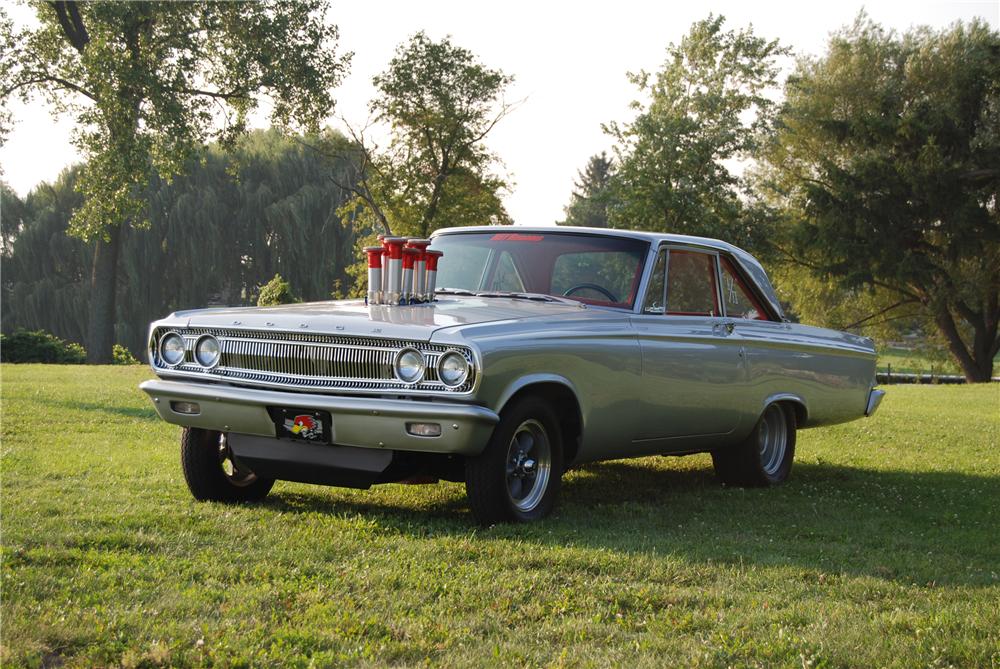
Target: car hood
[{"x": 354, "y": 317}]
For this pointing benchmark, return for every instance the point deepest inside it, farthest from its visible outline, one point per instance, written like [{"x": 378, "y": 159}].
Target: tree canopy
[
  {"x": 886, "y": 166},
  {"x": 148, "y": 83},
  {"x": 439, "y": 102},
  {"x": 707, "y": 107}
]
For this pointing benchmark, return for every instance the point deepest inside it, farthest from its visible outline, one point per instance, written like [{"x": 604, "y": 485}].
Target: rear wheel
[
  {"x": 211, "y": 472},
  {"x": 765, "y": 457},
  {"x": 517, "y": 476}
]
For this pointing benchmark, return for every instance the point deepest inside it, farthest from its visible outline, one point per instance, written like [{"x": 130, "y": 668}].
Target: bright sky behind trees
[{"x": 569, "y": 60}]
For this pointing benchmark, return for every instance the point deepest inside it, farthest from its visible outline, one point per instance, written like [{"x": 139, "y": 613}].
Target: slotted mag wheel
[{"x": 529, "y": 465}]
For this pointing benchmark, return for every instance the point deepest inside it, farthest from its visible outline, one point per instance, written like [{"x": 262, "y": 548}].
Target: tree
[
  {"x": 234, "y": 219},
  {"x": 148, "y": 83},
  {"x": 886, "y": 164},
  {"x": 439, "y": 103},
  {"x": 589, "y": 201},
  {"x": 708, "y": 106}
]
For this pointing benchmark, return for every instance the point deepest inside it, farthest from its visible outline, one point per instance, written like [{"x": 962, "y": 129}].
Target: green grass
[{"x": 882, "y": 550}]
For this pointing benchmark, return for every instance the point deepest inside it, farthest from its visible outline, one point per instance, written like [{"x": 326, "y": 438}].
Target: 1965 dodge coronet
[{"x": 519, "y": 353}]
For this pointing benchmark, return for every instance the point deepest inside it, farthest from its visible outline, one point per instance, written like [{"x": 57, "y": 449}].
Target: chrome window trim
[{"x": 671, "y": 246}]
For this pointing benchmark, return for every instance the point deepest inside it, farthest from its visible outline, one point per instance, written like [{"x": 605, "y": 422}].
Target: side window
[
  {"x": 740, "y": 302},
  {"x": 505, "y": 276},
  {"x": 654, "y": 303},
  {"x": 691, "y": 288}
]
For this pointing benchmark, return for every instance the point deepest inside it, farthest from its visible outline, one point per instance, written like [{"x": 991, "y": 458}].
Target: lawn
[{"x": 882, "y": 550}]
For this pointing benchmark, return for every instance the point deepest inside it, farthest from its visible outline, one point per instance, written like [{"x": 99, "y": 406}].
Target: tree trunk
[
  {"x": 103, "y": 290},
  {"x": 977, "y": 366}
]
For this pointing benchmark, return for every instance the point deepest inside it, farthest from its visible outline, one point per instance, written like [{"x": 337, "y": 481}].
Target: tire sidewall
[
  {"x": 204, "y": 475},
  {"x": 781, "y": 475},
  {"x": 494, "y": 458}
]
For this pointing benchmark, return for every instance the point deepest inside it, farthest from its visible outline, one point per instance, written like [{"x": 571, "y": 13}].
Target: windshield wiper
[{"x": 534, "y": 297}]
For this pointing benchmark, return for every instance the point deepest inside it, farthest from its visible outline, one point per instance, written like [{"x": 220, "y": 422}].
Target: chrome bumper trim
[
  {"x": 365, "y": 422},
  {"x": 874, "y": 399}
]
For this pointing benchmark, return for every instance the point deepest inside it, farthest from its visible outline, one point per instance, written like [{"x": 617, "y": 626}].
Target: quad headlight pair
[
  {"x": 207, "y": 350},
  {"x": 452, "y": 367}
]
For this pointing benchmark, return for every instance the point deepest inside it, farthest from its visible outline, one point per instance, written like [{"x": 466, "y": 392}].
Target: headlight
[
  {"x": 207, "y": 351},
  {"x": 409, "y": 365},
  {"x": 172, "y": 349},
  {"x": 453, "y": 369}
]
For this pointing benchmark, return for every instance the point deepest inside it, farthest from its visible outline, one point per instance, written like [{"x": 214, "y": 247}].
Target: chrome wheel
[
  {"x": 772, "y": 438},
  {"x": 236, "y": 476},
  {"x": 529, "y": 465}
]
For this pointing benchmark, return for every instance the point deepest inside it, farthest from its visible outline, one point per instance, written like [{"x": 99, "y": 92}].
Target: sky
[{"x": 569, "y": 61}]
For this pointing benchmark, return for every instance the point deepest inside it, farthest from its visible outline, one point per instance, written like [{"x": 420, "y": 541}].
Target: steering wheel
[{"x": 591, "y": 286}]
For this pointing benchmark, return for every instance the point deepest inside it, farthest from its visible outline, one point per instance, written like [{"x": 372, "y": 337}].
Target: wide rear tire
[
  {"x": 765, "y": 457},
  {"x": 211, "y": 473},
  {"x": 516, "y": 478}
]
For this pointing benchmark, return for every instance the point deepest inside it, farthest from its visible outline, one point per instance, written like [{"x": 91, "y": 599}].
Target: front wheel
[
  {"x": 765, "y": 457},
  {"x": 211, "y": 472},
  {"x": 517, "y": 476}
]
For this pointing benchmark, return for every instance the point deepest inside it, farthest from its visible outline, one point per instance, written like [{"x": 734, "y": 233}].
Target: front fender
[{"x": 523, "y": 382}]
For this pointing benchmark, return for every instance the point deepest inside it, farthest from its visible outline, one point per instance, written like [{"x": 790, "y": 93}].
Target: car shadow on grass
[
  {"x": 908, "y": 527},
  {"x": 114, "y": 409}
]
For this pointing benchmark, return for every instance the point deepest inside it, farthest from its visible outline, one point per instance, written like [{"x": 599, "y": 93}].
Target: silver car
[{"x": 524, "y": 352}]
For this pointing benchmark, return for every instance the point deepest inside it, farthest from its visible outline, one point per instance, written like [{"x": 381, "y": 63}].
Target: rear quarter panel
[{"x": 830, "y": 371}]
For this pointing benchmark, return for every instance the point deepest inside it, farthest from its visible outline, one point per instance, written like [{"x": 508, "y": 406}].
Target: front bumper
[
  {"x": 365, "y": 422},
  {"x": 874, "y": 399}
]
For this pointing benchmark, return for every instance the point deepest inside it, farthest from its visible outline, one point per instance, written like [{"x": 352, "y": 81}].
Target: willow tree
[
  {"x": 216, "y": 234},
  {"x": 148, "y": 84}
]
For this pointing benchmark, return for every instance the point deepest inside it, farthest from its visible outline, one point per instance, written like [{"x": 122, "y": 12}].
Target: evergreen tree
[{"x": 589, "y": 201}]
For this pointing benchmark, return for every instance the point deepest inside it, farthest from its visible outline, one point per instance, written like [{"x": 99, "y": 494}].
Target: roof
[{"x": 747, "y": 262}]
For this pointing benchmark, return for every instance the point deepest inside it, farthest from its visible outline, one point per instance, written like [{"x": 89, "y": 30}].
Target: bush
[
  {"x": 276, "y": 291},
  {"x": 40, "y": 346},
  {"x": 122, "y": 356}
]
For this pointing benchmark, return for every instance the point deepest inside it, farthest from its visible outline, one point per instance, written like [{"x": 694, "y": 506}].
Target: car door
[{"x": 693, "y": 368}]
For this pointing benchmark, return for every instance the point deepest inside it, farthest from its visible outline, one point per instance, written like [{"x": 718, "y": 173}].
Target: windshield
[{"x": 594, "y": 269}]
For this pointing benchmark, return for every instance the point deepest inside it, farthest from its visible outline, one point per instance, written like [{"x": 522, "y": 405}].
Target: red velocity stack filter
[
  {"x": 409, "y": 257},
  {"x": 430, "y": 281},
  {"x": 419, "y": 268},
  {"x": 393, "y": 292},
  {"x": 374, "y": 274}
]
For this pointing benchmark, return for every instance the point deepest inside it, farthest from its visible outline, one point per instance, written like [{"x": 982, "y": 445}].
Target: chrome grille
[{"x": 309, "y": 361}]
